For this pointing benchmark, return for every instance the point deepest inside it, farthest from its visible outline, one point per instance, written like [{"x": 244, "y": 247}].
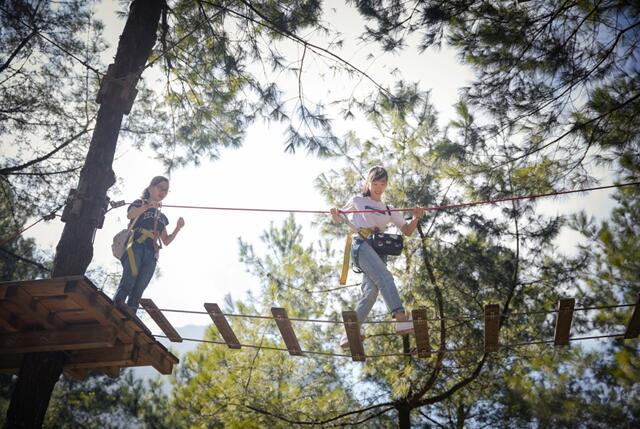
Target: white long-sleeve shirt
[{"x": 372, "y": 219}]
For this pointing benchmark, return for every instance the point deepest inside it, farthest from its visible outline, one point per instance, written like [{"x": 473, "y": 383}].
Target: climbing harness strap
[
  {"x": 345, "y": 261},
  {"x": 145, "y": 234},
  {"x": 362, "y": 233}
]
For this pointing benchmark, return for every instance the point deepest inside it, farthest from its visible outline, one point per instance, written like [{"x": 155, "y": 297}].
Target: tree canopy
[{"x": 555, "y": 96}]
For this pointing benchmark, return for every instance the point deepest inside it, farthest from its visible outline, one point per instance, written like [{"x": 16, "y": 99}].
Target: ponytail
[{"x": 155, "y": 181}]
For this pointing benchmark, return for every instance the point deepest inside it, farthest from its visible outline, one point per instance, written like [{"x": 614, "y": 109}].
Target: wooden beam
[
  {"x": 32, "y": 309},
  {"x": 46, "y": 287},
  {"x": 223, "y": 326},
  {"x": 421, "y": 328},
  {"x": 162, "y": 364},
  {"x": 563, "y": 321},
  {"x": 119, "y": 355},
  {"x": 286, "y": 330},
  {"x": 352, "y": 328},
  {"x": 10, "y": 322},
  {"x": 41, "y": 287},
  {"x": 160, "y": 320},
  {"x": 74, "y": 338},
  {"x": 491, "y": 327},
  {"x": 633, "y": 327},
  {"x": 154, "y": 354},
  {"x": 129, "y": 331},
  {"x": 164, "y": 367},
  {"x": 59, "y": 304},
  {"x": 103, "y": 312}
]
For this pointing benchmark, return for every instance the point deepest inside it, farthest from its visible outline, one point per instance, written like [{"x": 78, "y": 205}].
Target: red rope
[
  {"x": 433, "y": 208},
  {"x": 406, "y": 209},
  {"x": 47, "y": 217}
]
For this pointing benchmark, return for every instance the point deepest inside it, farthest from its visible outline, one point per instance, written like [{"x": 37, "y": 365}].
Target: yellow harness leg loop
[
  {"x": 364, "y": 233},
  {"x": 345, "y": 261},
  {"x": 145, "y": 234},
  {"x": 132, "y": 259}
]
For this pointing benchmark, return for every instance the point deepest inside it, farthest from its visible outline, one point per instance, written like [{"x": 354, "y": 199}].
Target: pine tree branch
[
  {"x": 566, "y": 88},
  {"x": 324, "y": 423},
  {"x": 505, "y": 310},
  {"x": 11, "y": 170},
  {"x": 23, "y": 259},
  {"x": 16, "y": 51},
  {"x": 574, "y": 128},
  {"x": 443, "y": 327},
  {"x": 46, "y": 173},
  {"x": 293, "y": 37}
]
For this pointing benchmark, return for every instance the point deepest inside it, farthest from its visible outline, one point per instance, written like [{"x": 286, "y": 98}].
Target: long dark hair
[
  {"x": 155, "y": 181},
  {"x": 376, "y": 173}
]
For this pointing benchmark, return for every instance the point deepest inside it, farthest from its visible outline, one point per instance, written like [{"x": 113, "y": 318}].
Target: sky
[{"x": 202, "y": 264}]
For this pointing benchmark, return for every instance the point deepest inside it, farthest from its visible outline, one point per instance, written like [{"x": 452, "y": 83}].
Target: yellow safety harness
[
  {"x": 363, "y": 233},
  {"x": 145, "y": 234}
]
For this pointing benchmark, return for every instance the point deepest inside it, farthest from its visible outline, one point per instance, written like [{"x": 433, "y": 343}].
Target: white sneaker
[{"x": 404, "y": 328}]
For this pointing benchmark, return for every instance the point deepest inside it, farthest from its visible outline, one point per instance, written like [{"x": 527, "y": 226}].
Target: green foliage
[
  {"x": 216, "y": 58},
  {"x": 221, "y": 387},
  {"x": 47, "y": 111},
  {"x": 561, "y": 75},
  {"x": 19, "y": 258},
  {"x": 462, "y": 260},
  {"x": 552, "y": 75},
  {"x": 103, "y": 402}
]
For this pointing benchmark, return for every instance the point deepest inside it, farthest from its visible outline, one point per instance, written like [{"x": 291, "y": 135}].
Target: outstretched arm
[{"x": 168, "y": 238}]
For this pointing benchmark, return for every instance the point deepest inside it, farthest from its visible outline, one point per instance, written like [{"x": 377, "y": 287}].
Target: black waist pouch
[{"x": 386, "y": 244}]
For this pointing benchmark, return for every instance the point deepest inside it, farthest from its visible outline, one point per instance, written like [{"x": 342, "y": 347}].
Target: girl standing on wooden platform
[
  {"x": 144, "y": 244},
  {"x": 375, "y": 275}
]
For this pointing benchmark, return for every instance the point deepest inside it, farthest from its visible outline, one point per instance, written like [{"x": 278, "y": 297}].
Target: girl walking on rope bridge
[
  {"x": 144, "y": 244},
  {"x": 376, "y": 277}
]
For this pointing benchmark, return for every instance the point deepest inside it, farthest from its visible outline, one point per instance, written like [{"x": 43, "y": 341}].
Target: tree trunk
[
  {"x": 404, "y": 417},
  {"x": 39, "y": 372}
]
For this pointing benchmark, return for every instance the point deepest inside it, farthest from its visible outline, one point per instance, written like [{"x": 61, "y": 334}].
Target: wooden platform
[{"x": 70, "y": 314}]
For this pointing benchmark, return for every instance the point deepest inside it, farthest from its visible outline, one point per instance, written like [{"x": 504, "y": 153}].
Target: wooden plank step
[
  {"x": 286, "y": 330},
  {"x": 160, "y": 320},
  {"x": 491, "y": 327},
  {"x": 563, "y": 321},
  {"x": 223, "y": 325},
  {"x": 352, "y": 328},
  {"x": 72, "y": 338},
  {"x": 421, "y": 329},
  {"x": 633, "y": 327}
]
